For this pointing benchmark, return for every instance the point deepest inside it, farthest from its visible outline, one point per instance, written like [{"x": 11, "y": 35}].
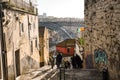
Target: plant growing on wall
[{"x": 82, "y": 41}]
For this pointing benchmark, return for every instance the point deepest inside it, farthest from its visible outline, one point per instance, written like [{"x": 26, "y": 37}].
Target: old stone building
[
  {"x": 44, "y": 45},
  {"x": 20, "y": 28},
  {"x": 102, "y": 34}
]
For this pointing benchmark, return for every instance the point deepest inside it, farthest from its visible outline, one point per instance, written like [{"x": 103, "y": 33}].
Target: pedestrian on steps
[{"x": 58, "y": 59}]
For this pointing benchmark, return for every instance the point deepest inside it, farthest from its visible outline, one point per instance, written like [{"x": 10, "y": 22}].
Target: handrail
[{"x": 62, "y": 73}]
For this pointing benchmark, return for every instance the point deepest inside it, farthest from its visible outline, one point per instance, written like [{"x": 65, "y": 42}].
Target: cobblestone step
[
  {"x": 41, "y": 73},
  {"x": 35, "y": 74},
  {"x": 84, "y": 74},
  {"x": 76, "y": 74},
  {"x": 50, "y": 75}
]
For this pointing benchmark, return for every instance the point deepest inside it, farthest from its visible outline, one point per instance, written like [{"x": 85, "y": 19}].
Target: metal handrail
[{"x": 62, "y": 69}]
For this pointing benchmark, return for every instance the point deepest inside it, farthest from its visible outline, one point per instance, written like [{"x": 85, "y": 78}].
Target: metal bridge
[{"x": 59, "y": 24}]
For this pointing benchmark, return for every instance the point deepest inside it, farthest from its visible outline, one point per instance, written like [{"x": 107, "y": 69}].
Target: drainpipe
[{"x": 2, "y": 46}]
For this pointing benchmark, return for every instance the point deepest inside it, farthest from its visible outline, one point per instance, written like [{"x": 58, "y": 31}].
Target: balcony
[{"x": 20, "y": 5}]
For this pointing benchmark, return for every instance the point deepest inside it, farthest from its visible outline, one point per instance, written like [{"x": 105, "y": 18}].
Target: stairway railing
[{"x": 62, "y": 73}]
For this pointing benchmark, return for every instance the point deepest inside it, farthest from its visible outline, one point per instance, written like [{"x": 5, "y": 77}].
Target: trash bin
[{"x": 105, "y": 74}]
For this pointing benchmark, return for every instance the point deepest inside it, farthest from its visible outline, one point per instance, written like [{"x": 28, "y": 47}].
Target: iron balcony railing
[{"x": 20, "y": 5}]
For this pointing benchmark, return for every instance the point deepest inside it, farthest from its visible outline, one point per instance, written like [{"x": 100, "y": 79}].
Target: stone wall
[{"x": 102, "y": 31}]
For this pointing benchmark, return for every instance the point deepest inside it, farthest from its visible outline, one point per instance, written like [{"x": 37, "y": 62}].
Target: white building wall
[{"x": 17, "y": 38}]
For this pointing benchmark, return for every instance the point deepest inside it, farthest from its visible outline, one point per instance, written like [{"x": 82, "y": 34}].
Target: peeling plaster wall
[
  {"x": 102, "y": 30},
  {"x": 20, "y": 30}
]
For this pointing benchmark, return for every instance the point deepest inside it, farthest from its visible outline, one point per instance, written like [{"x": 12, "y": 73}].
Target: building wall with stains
[
  {"x": 102, "y": 34},
  {"x": 44, "y": 45},
  {"x": 22, "y": 42}
]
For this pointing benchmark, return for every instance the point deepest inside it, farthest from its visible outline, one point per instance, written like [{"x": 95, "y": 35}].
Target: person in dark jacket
[
  {"x": 73, "y": 61},
  {"x": 78, "y": 61},
  {"x": 105, "y": 74},
  {"x": 58, "y": 59}
]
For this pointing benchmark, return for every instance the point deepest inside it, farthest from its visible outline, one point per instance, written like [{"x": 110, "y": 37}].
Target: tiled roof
[{"x": 66, "y": 43}]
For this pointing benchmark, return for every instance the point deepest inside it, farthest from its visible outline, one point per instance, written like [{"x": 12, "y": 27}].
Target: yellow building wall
[
  {"x": 41, "y": 51},
  {"x": 44, "y": 47}
]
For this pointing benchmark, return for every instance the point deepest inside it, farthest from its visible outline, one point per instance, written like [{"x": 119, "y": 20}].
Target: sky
[{"x": 61, "y": 8}]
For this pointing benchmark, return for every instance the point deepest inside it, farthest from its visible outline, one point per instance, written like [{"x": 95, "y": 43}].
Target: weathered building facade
[
  {"x": 44, "y": 45},
  {"x": 102, "y": 34},
  {"x": 20, "y": 28}
]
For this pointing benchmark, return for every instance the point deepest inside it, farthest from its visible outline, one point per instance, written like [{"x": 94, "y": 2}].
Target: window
[
  {"x": 31, "y": 47},
  {"x": 21, "y": 28},
  {"x": 29, "y": 28},
  {"x": 33, "y": 26},
  {"x": 29, "y": 25},
  {"x": 68, "y": 49},
  {"x": 36, "y": 42}
]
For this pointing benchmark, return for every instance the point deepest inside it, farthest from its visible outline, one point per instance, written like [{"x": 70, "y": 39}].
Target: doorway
[{"x": 17, "y": 62}]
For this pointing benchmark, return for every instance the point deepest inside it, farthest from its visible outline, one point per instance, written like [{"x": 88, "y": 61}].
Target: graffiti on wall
[{"x": 100, "y": 56}]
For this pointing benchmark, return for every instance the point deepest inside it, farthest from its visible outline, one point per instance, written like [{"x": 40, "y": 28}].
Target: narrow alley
[{"x": 59, "y": 39}]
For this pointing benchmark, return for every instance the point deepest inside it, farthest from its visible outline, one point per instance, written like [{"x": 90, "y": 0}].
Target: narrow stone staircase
[
  {"x": 85, "y": 74},
  {"x": 46, "y": 73},
  {"x": 36, "y": 74},
  {"x": 50, "y": 75},
  {"x": 77, "y": 74}
]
